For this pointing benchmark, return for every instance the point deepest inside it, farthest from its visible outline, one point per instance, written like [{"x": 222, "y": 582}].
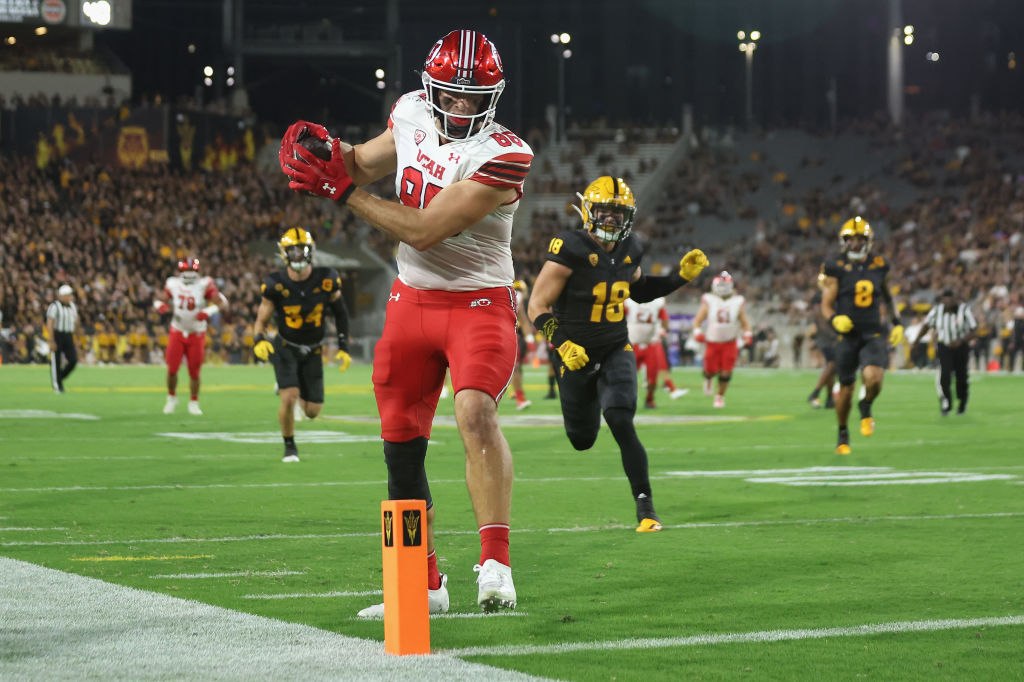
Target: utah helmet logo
[{"x": 419, "y": 136}]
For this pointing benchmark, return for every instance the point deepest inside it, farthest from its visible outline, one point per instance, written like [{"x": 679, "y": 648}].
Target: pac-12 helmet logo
[{"x": 419, "y": 136}]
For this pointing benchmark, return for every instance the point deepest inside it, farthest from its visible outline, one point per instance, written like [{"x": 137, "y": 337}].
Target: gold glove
[
  {"x": 344, "y": 358},
  {"x": 573, "y": 355},
  {"x": 692, "y": 263},
  {"x": 263, "y": 349},
  {"x": 896, "y": 335},
  {"x": 842, "y": 323}
]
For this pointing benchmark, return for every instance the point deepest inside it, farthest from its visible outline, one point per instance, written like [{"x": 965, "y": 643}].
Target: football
[{"x": 320, "y": 148}]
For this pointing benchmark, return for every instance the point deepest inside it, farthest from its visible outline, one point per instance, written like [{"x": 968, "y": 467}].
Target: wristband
[
  {"x": 343, "y": 199},
  {"x": 896, "y": 322},
  {"x": 546, "y": 324}
]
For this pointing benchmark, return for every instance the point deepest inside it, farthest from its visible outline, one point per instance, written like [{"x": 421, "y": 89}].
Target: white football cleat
[
  {"x": 523, "y": 405},
  {"x": 437, "y": 602},
  {"x": 193, "y": 408},
  {"x": 719, "y": 401},
  {"x": 679, "y": 393},
  {"x": 496, "y": 590},
  {"x": 171, "y": 404}
]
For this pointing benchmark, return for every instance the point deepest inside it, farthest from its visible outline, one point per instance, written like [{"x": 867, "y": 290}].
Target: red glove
[
  {"x": 285, "y": 155},
  {"x": 161, "y": 307},
  {"x": 748, "y": 339},
  {"x": 328, "y": 179},
  {"x": 201, "y": 315},
  {"x": 698, "y": 336}
]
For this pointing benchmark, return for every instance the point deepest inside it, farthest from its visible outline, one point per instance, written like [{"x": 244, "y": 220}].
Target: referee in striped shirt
[
  {"x": 61, "y": 322},
  {"x": 955, "y": 328}
]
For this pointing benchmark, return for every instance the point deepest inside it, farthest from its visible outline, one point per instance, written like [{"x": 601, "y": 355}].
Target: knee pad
[
  {"x": 581, "y": 441},
  {"x": 724, "y": 378},
  {"x": 407, "y": 477}
]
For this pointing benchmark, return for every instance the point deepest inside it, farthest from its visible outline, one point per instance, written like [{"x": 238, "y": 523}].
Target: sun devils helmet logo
[
  {"x": 463, "y": 62},
  {"x": 296, "y": 247},
  {"x": 607, "y": 207},
  {"x": 851, "y": 230}
]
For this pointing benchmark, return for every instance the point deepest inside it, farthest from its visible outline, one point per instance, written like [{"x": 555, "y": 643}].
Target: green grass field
[{"x": 776, "y": 553}]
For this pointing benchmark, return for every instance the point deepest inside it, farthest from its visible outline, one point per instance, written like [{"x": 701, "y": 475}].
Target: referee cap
[
  {"x": 948, "y": 292},
  {"x": 65, "y": 290}
]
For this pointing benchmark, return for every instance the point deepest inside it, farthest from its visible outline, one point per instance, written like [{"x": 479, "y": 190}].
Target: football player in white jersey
[
  {"x": 648, "y": 325},
  {"x": 726, "y": 314},
  {"x": 458, "y": 177},
  {"x": 194, "y": 300}
]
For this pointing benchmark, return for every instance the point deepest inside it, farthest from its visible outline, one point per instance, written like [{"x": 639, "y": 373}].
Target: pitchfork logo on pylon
[
  {"x": 411, "y": 519},
  {"x": 389, "y": 529}
]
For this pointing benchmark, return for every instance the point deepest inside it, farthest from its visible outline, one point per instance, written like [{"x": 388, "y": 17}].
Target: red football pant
[
  {"x": 473, "y": 333},
  {"x": 651, "y": 358},
  {"x": 192, "y": 346},
  {"x": 720, "y": 357}
]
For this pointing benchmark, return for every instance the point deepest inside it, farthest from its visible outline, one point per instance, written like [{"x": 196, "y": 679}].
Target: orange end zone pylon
[{"x": 404, "y": 548}]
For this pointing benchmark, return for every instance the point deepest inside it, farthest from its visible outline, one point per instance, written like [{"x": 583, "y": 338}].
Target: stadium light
[
  {"x": 381, "y": 85},
  {"x": 11, "y": 40},
  {"x": 230, "y": 82},
  {"x": 191, "y": 48},
  {"x": 40, "y": 31},
  {"x": 208, "y": 81},
  {"x": 748, "y": 48},
  {"x": 231, "y": 71},
  {"x": 379, "y": 74},
  {"x": 560, "y": 39}
]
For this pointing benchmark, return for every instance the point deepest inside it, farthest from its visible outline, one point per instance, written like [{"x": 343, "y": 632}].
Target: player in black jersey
[
  {"x": 577, "y": 304},
  {"x": 854, "y": 286},
  {"x": 299, "y": 296}
]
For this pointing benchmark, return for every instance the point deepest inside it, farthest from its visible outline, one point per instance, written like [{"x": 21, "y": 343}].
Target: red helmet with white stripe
[
  {"x": 466, "y": 63},
  {"x": 188, "y": 269}
]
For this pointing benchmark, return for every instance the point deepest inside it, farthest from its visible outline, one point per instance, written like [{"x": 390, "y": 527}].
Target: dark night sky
[{"x": 640, "y": 61}]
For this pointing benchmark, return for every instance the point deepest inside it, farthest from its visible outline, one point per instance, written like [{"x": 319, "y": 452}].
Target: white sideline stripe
[
  {"x": 236, "y": 574},
  {"x": 315, "y": 595},
  {"x": 575, "y": 529},
  {"x": 741, "y": 637},
  {"x": 65, "y": 626},
  {"x": 12, "y": 528},
  {"x": 475, "y": 614}
]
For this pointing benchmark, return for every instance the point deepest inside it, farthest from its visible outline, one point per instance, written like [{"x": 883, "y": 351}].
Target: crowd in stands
[{"x": 116, "y": 234}]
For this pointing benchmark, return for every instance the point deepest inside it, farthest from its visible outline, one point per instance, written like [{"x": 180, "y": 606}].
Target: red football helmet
[
  {"x": 188, "y": 268},
  {"x": 464, "y": 62}
]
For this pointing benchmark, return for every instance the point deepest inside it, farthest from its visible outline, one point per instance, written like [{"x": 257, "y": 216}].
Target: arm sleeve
[
  {"x": 340, "y": 312},
  {"x": 649, "y": 288}
]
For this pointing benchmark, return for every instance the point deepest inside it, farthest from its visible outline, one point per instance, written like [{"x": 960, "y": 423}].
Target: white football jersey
[
  {"x": 723, "y": 317},
  {"x": 480, "y": 256},
  {"x": 187, "y": 300},
  {"x": 644, "y": 321}
]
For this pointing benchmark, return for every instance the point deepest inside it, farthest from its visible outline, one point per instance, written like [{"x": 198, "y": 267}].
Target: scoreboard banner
[{"x": 96, "y": 14}]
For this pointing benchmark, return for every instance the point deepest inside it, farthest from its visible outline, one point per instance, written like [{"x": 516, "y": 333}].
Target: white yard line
[
  {"x": 742, "y": 637},
  {"x": 574, "y": 529},
  {"x": 235, "y": 574},
  {"x": 64, "y": 626},
  {"x": 315, "y": 595}
]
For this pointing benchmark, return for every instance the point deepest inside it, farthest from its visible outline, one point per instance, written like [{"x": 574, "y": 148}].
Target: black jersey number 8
[{"x": 863, "y": 293}]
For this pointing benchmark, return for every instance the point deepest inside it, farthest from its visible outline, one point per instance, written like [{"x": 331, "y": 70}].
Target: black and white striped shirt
[
  {"x": 64, "y": 316},
  {"x": 950, "y": 324}
]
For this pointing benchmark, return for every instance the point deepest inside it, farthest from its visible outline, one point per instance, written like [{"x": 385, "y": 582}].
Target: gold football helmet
[
  {"x": 607, "y": 208},
  {"x": 852, "y": 228},
  {"x": 296, "y": 246}
]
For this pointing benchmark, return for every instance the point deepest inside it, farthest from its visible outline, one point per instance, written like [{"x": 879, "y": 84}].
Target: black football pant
[
  {"x": 63, "y": 345},
  {"x": 953, "y": 361}
]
